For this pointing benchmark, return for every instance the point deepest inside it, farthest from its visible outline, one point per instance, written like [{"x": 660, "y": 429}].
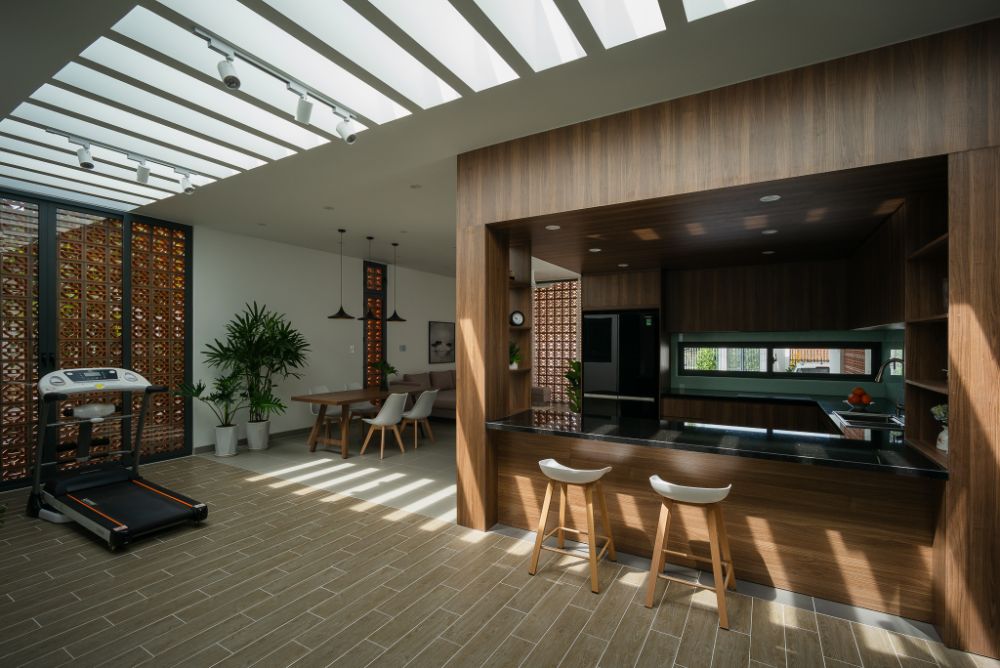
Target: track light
[
  {"x": 142, "y": 173},
  {"x": 186, "y": 184},
  {"x": 304, "y": 109},
  {"x": 228, "y": 73},
  {"x": 83, "y": 155},
  {"x": 345, "y": 129}
]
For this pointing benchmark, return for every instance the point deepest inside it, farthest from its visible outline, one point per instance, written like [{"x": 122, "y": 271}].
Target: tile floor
[{"x": 306, "y": 573}]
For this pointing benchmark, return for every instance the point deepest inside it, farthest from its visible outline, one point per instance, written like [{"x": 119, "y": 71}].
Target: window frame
[{"x": 874, "y": 346}]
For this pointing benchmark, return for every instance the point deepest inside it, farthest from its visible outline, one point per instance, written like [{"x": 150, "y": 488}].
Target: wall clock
[{"x": 517, "y": 318}]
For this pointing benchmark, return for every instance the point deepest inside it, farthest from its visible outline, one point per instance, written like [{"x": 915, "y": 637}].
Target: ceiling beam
[
  {"x": 674, "y": 15},
  {"x": 580, "y": 25},
  {"x": 482, "y": 24}
]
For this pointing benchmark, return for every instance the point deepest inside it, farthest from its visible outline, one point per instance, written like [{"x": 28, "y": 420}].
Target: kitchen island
[{"x": 848, "y": 517}]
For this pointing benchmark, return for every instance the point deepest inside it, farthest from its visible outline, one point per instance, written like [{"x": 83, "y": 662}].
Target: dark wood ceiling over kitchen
[{"x": 818, "y": 217}]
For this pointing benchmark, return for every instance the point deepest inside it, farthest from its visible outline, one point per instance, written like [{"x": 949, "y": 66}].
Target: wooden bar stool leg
[
  {"x": 560, "y": 536},
  {"x": 588, "y": 492},
  {"x": 656, "y": 563},
  {"x": 720, "y": 583},
  {"x": 533, "y": 568},
  {"x": 724, "y": 543},
  {"x": 606, "y": 521}
]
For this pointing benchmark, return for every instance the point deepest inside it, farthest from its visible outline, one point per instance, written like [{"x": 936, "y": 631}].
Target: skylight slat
[
  {"x": 20, "y": 130},
  {"x": 87, "y": 130},
  {"x": 155, "y": 32},
  {"x": 440, "y": 29},
  {"x": 67, "y": 184},
  {"x": 138, "y": 125},
  {"x": 348, "y": 32},
  {"x": 699, "y": 9},
  {"x": 619, "y": 21},
  {"x": 59, "y": 193},
  {"x": 141, "y": 67},
  {"x": 536, "y": 29},
  {"x": 125, "y": 94},
  {"x": 249, "y": 31},
  {"x": 69, "y": 159},
  {"x": 77, "y": 173}
]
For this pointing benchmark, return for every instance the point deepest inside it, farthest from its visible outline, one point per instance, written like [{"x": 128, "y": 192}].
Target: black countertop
[{"x": 872, "y": 450}]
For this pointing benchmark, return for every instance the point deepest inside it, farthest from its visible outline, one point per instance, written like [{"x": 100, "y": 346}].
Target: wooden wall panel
[
  {"x": 969, "y": 605},
  {"x": 620, "y": 290},
  {"x": 876, "y": 274},
  {"x": 851, "y": 536}
]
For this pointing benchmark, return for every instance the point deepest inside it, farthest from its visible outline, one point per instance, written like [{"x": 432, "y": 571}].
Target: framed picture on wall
[{"x": 440, "y": 342}]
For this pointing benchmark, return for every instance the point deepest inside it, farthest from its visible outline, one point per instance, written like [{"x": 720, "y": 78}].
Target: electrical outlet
[
  {"x": 402, "y": 347},
  {"x": 350, "y": 349}
]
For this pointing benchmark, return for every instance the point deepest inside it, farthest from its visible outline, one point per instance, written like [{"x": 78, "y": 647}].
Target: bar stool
[
  {"x": 710, "y": 500},
  {"x": 590, "y": 481}
]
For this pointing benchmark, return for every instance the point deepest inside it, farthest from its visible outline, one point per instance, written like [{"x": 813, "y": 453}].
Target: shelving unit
[
  {"x": 519, "y": 298},
  {"x": 926, "y": 312}
]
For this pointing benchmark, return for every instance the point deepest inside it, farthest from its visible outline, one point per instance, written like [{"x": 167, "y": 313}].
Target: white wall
[{"x": 230, "y": 270}]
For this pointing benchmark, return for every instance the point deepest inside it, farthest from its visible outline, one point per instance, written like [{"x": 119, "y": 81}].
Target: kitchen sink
[{"x": 860, "y": 420}]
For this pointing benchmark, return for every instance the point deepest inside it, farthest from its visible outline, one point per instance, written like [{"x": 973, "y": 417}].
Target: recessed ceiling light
[
  {"x": 415, "y": 186},
  {"x": 767, "y": 252},
  {"x": 770, "y": 231},
  {"x": 328, "y": 207},
  {"x": 261, "y": 224},
  {"x": 595, "y": 250},
  {"x": 553, "y": 228},
  {"x": 770, "y": 198},
  {"x": 623, "y": 264}
]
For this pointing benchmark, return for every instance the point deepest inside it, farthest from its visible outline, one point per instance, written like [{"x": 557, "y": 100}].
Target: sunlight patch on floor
[{"x": 291, "y": 469}]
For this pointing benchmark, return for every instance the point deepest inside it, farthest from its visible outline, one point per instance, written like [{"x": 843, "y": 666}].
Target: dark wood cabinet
[
  {"x": 762, "y": 414},
  {"x": 876, "y": 278},
  {"x": 620, "y": 290}
]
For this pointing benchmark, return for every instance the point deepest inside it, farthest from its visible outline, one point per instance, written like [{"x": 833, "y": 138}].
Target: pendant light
[
  {"x": 341, "y": 314},
  {"x": 395, "y": 317},
  {"x": 369, "y": 314}
]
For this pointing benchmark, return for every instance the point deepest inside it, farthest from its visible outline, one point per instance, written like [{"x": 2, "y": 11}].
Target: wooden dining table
[{"x": 344, "y": 399}]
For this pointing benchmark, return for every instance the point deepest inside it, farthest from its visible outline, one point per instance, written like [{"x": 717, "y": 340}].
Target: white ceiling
[{"x": 370, "y": 185}]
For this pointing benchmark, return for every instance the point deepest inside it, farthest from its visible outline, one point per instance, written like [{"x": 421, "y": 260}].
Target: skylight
[
  {"x": 73, "y": 172},
  {"x": 536, "y": 29},
  {"x": 60, "y": 193},
  {"x": 699, "y": 9},
  {"x": 438, "y": 27},
  {"x": 620, "y": 21},
  {"x": 345, "y": 30}
]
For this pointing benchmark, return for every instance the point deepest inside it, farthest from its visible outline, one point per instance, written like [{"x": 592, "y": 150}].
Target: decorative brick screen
[{"x": 556, "y": 317}]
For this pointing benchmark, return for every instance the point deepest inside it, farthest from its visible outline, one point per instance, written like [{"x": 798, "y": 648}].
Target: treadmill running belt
[{"x": 138, "y": 507}]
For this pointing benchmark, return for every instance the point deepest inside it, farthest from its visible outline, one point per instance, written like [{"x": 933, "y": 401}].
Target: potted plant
[
  {"x": 574, "y": 377},
  {"x": 225, "y": 400},
  {"x": 262, "y": 347},
  {"x": 385, "y": 370},
  {"x": 940, "y": 413},
  {"x": 514, "y": 353}
]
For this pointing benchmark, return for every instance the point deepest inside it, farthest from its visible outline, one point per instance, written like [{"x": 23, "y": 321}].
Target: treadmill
[{"x": 109, "y": 498}]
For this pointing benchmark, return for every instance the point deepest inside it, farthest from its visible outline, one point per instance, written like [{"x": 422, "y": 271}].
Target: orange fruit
[
  {"x": 858, "y": 391},
  {"x": 866, "y": 400}
]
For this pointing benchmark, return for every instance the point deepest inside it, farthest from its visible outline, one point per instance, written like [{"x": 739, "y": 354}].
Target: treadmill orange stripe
[
  {"x": 89, "y": 507},
  {"x": 174, "y": 498}
]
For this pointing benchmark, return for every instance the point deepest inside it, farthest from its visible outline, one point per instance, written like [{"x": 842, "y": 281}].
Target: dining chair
[
  {"x": 418, "y": 416},
  {"x": 388, "y": 418},
  {"x": 361, "y": 408}
]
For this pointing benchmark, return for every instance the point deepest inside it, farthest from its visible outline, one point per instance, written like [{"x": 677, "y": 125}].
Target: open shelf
[
  {"x": 519, "y": 285},
  {"x": 929, "y": 450},
  {"x": 520, "y": 369},
  {"x": 941, "y": 317},
  {"x": 520, "y": 328},
  {"x": 939, "y": 386},
  {"x": 932, "y": 248}
]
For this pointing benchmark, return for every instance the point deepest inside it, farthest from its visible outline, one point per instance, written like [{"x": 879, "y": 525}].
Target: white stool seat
[
  {"x": 682, "y": 494},
  {"x": 556, "y": 471}
]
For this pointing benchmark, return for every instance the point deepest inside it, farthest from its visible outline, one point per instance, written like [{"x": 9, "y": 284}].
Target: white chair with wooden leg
[
  {"x": 590, "y": 481},
  {"x": 417, "y": 416},
  {"x": 710, "y": 500},
  {"x": 361, "y": 409},
  {"x": 388, "y": 418}
]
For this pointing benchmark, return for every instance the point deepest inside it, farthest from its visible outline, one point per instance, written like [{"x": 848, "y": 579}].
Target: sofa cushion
[
  {"x": 421, "y": 379},
  {"x": 445, "y": 399},
  {"x": 443, "y": 380}
]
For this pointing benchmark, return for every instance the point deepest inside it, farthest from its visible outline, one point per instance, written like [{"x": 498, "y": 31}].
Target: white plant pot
[
  {"x": 942, "y": 440},
  {"x": 225, "y": 441},
  {"x": 513, "y": 366},
  {"x": 258, "y": 434}
]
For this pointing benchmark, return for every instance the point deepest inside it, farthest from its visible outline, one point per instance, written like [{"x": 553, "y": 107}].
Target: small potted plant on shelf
[
  {"x": 262, "y": 347},
  {"x": 940, "y": 413},
  {"x": 385, "y": 370},
  {"x": 574, "y": 376},
  {"x": 226, "y": 399},
  {"x": 514, "y": 353}
]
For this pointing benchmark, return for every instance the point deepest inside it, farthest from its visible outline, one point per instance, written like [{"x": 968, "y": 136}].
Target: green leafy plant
[
  {"x": 385, "y": 370},
  {"x": 261, "y": 346},
  {"x": 226, "y": 399},
  {"x": 514, "y": 353},
  {"x": 574, "y": 377},
  {"x": 940, "y": 413}
]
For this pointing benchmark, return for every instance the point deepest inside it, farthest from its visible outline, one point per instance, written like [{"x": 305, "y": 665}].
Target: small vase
[
  {"x": 513, "y": 366},
  {"x": 942, "y": 440}
]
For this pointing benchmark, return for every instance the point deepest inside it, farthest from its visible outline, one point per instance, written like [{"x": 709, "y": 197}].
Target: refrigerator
[{"x": 621, "y": 364}]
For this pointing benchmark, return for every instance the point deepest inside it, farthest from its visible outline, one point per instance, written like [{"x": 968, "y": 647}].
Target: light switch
[
  {"x": 350, "y": 349},
  {"x": 402, "y": 347}
]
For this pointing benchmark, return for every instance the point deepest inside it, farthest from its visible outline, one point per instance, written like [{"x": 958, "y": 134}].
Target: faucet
[{"x": 881, "y": 369}]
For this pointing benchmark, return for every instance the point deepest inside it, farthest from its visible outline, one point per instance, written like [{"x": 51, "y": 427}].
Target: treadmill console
[{"x": 78, "y": 381}]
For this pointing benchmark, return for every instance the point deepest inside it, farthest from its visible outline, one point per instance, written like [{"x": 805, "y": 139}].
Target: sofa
[{"x": 443, "y": 381}]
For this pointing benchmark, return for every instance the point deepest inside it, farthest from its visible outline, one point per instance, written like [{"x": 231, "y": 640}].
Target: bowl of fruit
[{"x": 859, "y": 400}]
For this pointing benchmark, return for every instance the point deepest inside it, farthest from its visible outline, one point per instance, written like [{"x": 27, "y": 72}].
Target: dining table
[{"x": 345, "y": 399}]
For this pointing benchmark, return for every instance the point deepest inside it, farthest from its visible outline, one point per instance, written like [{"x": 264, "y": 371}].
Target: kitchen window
[{"x": 815, "y": 361}]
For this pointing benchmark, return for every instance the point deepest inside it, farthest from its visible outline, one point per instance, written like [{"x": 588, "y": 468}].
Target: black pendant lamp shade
[
  {"x": 395, "y": 317},
  {"x": 369, "y": 314},
  {"x": 341, "y": 314}
]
